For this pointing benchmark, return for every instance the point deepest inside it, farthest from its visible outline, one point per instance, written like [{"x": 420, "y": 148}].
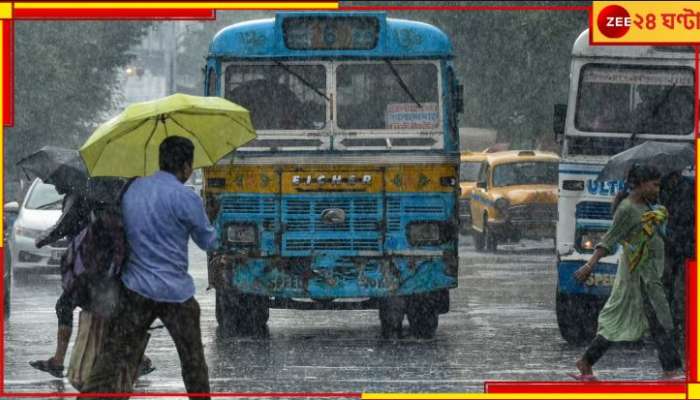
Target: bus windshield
[
  {"x": 526, "y": 173},
  {"x": 388, "y": 95},
  {"x": 633, "y": 99},
  {"x": 281, "y": 96}
]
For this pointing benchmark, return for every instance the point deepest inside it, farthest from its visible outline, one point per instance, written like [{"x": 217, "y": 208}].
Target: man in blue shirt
[{"x": 160, "y": 215}]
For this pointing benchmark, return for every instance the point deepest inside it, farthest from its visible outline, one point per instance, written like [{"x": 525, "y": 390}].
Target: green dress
[{"x": 623, "y": 317}]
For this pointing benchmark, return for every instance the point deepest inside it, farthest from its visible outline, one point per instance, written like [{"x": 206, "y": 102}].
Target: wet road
[{"x": 501, "y": 326}]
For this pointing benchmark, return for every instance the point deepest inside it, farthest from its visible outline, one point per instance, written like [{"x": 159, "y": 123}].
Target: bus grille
[
  {"x": 304, "y": 231},
  {"x": 251, "y": 208},
  {"x": 405, "y": 209},
  {"x": 593, "y": 210}
]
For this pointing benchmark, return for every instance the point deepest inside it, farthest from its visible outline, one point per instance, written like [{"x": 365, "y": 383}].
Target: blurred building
[{"x": 153, "y": 71}]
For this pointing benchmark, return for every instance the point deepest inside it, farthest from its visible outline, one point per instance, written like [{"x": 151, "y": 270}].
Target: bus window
[
  {"x": 276, "y": 99},
  {"x": 626, "y": 99},
  {"x": 371, "y": 97}
]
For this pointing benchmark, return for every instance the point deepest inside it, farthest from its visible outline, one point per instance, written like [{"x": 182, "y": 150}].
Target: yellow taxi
[
  {"x": 515, "y": 198},
  {"x": 469, "y": 167}
]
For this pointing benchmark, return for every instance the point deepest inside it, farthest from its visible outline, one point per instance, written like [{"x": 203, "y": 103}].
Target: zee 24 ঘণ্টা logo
[{"x": 677, "y": 18}]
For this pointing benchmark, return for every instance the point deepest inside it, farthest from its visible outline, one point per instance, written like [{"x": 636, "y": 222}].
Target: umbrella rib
[
  {"x": 145, "y": 146},
  {"x": 211, "y": 160}
]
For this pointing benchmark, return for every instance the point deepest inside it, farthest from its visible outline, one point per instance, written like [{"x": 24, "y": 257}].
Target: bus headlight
[
  {"x": 587, "y": 239},
  {"x": 241, "y": 234},
  {"x": 425, "y": 233}
]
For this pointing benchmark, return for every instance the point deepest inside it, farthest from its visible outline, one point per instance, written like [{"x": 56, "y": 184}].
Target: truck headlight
[
  {"x": 241, "y": 234},
  {"x": 502, "y": 205},
  {"x": 425, "y": 233}
]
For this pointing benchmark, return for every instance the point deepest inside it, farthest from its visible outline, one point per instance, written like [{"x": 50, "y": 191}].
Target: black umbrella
[
  {"x": 666, "y": 157},
  {"x": 58, "y": 166},
  {"x": 64, "y": 168},
  {"x": 104, "y": 189}
]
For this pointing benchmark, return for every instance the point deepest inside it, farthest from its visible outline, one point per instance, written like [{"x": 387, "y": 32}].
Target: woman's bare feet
[{"x": 584, "y": 368}]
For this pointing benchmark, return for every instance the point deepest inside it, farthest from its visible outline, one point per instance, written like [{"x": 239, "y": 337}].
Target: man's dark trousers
[{"x": 130, "y": 327}]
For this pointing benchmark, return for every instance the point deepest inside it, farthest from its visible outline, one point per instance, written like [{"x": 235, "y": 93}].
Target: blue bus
[{"x": 347, "y": 199}]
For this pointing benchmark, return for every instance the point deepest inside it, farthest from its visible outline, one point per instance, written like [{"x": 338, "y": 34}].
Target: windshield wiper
[
  {"x": 301, "y": 78},
  {"x": 402, "y": 83}
]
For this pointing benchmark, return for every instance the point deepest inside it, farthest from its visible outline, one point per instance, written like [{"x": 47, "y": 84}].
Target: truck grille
[{"x": 533, "y": 213}]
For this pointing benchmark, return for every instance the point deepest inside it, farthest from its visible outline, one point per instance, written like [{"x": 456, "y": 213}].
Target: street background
[{"x": 501, "y": 326}]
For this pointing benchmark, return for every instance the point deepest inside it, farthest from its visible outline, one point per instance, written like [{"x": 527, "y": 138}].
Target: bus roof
[
  {"x": 582, "y": 48},
  {"x": 263, "y": 38},
  {"x": 502, "y": 157}
]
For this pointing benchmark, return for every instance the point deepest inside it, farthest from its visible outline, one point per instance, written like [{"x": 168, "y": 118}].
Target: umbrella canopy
[
  {"x": 127, "y": 145},
  {"x": 666, "y": 157},
  {"x": 58, "y": 166}
]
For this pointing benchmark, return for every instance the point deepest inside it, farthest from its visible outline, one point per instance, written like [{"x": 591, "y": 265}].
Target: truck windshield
[
  {"x": 276, "y": 96},
  {"x": 635, "y": 100},
  {"x": 526, "y": 173},
  {"x": 373, "y": 96}
]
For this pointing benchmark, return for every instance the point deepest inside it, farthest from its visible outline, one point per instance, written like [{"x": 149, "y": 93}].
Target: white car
[{"x": 40, "y": 210}]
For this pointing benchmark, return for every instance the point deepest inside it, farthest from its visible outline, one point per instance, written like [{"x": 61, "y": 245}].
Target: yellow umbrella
[{"x": 127, "y": 145}]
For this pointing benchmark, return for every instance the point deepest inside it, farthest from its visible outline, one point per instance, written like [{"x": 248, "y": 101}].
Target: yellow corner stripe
[
  {"x": 694, "y": 391},
  {"x": 5, "y": 10},
  {"x": 509, "y": 396},
  {"x": 147, "y": 5}
]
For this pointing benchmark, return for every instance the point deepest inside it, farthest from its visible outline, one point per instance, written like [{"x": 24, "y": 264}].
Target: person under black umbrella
[{"x": 64, "y": 169}]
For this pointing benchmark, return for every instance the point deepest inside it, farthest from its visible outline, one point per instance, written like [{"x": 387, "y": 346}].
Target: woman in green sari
[{"x": 637, "y": 301}]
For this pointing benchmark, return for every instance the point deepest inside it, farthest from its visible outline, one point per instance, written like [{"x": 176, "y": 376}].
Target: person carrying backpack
[
  {"x": 77, "y": 213},
  {"x": 160, "y": 215}
]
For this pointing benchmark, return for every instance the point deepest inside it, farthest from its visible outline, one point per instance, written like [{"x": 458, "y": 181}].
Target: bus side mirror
[{"x": 559, "y": 120}]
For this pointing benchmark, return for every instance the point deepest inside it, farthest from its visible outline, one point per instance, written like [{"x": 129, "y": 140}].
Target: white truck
[{"x": 619, "y": 96}]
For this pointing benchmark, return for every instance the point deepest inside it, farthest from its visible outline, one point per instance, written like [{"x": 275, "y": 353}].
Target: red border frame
[{"x": 490, "y": 387}]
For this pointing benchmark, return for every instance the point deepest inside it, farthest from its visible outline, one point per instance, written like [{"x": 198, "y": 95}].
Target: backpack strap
[{"x": 124, "y": 189}]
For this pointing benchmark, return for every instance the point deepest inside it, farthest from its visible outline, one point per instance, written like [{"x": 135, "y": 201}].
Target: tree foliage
[{"x": 65, "y": 81}]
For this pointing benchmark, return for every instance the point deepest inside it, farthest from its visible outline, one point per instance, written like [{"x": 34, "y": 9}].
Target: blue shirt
[{"x": 160, "y": 214}]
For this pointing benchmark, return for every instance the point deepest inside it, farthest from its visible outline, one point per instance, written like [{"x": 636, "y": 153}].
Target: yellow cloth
[{"x": 637, "y": 249}]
